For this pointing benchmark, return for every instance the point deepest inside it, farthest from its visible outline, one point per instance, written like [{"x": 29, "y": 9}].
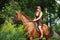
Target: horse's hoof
[{"x": 41, "y": 37}]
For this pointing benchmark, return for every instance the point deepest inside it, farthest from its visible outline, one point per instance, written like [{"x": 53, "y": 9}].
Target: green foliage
[
  {"x": 9, "y": 32},
  {"x": 58, "y": 11},
  {"x": 29, "y": 13},
  {"x": 9, "y": 10},
  {"x": 57, "y": 29},
  {"x": 10, "y": 36},
  {"x": 7, "y": 27}
]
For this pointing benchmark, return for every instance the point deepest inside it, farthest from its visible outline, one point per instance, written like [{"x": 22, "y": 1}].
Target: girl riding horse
[
  {"x": 31, "y": 27},
  {"x": 38, "y": 20}
]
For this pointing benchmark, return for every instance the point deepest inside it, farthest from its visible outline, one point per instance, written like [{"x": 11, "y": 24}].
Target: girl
[{"x": 38, "y": 19}]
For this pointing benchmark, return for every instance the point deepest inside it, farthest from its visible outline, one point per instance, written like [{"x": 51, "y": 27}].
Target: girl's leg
[{"x": 41, "y": 32}]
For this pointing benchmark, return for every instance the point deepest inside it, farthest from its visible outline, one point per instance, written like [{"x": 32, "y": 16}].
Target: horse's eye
[{"x": 16, "y": 14}]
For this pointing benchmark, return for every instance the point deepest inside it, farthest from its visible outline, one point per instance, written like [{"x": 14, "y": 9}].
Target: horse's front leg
[
  {"x": 29, "y": 38},
  {"x": 47, "y": 38}
]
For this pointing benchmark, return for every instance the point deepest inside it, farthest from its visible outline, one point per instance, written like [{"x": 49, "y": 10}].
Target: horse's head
[{"x": 17, "y": 18}]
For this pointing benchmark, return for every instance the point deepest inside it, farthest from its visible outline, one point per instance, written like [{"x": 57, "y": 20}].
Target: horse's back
[
  {"x": 45, "y": 26},
  {"x": 46, "y": 29}
]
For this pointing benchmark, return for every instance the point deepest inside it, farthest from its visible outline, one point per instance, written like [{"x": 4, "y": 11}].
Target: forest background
[{"x": 8, "y": 10}]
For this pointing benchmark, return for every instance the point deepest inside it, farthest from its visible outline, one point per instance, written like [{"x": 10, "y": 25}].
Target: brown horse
[{"x": 31, "y": 27}]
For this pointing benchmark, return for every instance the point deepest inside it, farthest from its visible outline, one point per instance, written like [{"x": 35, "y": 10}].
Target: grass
[
  {"x": 17, "y": 36},
  {"x": 38, "y": 39}
]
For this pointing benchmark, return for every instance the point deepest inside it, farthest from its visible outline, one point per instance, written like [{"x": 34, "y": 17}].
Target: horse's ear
[
  {"x": 19, "y": 11},
  {"x": 16, "y": 12}
]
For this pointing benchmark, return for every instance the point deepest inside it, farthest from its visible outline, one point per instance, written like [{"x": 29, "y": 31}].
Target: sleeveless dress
[{"x": 38, "y": 22}]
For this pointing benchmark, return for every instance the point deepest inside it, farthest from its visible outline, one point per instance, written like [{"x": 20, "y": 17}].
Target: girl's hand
[{"x": 34, "y": 20}]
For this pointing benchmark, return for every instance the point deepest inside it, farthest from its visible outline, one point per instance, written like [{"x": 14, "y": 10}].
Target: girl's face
[{"x": 38, "y": 10}]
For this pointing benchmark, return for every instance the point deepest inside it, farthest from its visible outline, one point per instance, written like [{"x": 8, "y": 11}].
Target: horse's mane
[{"x": 26, "y": 16}]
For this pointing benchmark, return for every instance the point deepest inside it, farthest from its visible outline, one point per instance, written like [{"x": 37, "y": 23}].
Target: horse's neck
[
  {"x": 27, "y": 23},
  {"x": 24, "y": 20}
]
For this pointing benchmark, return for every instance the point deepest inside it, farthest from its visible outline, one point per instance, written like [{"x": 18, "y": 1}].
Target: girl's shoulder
[{"x": 41, "y": 12}]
